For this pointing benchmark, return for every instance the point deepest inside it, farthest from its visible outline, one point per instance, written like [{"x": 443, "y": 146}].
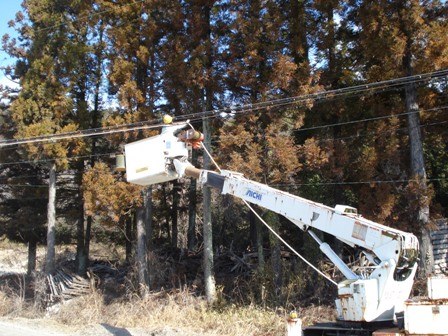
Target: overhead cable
[
  {"x": 229, "y": 110},
  {"x": 228, "y": 136}
]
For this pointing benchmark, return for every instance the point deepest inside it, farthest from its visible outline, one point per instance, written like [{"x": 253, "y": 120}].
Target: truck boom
[
  {"x": 366, "y": 295},
  {"x": 372, "y": 292}
]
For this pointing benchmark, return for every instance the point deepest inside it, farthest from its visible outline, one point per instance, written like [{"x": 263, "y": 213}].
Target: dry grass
[
  {"x": 316, "y": 314},
  {"x": 12, "y": 296},
  {"x": 7, "y": 304},
  {"x": 177, "y": 310}
]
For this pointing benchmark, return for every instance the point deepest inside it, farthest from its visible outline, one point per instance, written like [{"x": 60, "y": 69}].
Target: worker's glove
[
  {"x": 180, "y": 166},
  {"x": 193, "y": 137}
]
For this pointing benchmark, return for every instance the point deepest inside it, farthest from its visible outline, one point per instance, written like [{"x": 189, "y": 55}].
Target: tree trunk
[
  {"x": 147, "y": 201},
  {"x": 192, "y": 198},
  {"x": 81, "y": 253},
  {"x": 276, "y": 263},
  {"x": 259, "y": 243},
  {"x": 166, "y": 211},
  {"x": 174, "y": 222},
  {"x": 128, "y": 232},
  {"x": 87, "y": 237},
  {"x": 51, "y": 218},
  {"x": 32, "y": 248},
  {"x": 209, "y": 278},
  {"x": 142, "y": 264},
  {"x": 81, "y": 260},
  {"x": 418, "y": 172},
  {"x": 256, "y": 239},
  {"x": 84, "y": 227}
]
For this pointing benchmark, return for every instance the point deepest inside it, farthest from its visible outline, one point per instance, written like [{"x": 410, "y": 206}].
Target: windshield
[{"x": 406, "y": 264}]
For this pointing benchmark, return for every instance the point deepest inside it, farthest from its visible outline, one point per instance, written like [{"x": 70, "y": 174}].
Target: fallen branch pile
[{"x": 65, "y": 285}]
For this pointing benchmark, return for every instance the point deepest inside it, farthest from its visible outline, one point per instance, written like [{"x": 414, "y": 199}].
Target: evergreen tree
[
  {"x": 22, "y": 200},
  {"x": 204, "y": 88},
  {"x": 261, "y": 145},
  {"x": 394, "y": 41},
  {"x": 45, "y": 106}
]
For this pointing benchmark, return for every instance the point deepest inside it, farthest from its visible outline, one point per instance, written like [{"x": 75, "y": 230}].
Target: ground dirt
[
  {"x": 13, "y": 261},
  {"x": 110, "y": 308},
  {"x": 48, "y": 327}
]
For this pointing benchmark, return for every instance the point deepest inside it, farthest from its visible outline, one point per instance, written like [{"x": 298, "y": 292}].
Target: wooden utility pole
[
  {"x": 142, "y": 264},
  {"x": 209, "y": 278},
  {"x": 51, "y": 221}
]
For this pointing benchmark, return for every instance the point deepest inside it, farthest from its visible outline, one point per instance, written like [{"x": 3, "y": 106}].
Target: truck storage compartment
[{"x": 426, "y": 317}]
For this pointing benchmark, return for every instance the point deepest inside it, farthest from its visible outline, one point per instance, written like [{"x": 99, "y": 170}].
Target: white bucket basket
[{"x": 149, "y": 161}]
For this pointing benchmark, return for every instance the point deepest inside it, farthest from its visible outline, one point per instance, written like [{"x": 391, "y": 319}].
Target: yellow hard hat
[{"x": 167, "y": 119}]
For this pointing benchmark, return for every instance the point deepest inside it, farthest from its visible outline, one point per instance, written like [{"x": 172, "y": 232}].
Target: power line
[
  {"x": 379, "y": 133},
  {"x": 371, "y": 119},
  {"x": 289, "y": 184},
  {"x": 213, "y": 141},
  {"x": 436, "y": 179},
  {"x": 85, "y": 133},
  {"x": 370, "y": 182},
  {"x": 236, "y": 136},
  {"x": 246, "y": 109},
  {"x": 58, "y": 158},
  {"x": 319, "y": 96},
  {"x": 434, "y": 109}
]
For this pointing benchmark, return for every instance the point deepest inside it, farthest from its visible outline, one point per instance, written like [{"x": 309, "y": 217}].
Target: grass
[{"x": 177, "y": 309}]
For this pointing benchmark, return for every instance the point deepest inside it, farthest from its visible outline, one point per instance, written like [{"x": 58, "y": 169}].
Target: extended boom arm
[
  {"x": 364, "y": 296},
  {"x": 373, "y": 291}
]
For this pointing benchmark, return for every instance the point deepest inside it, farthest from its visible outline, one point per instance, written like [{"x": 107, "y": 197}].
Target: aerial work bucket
[{"x": 149, "y": 161}]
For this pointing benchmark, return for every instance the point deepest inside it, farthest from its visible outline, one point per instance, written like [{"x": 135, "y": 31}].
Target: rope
[
  {"x": 271, "y": 229},
  {"x": 289, "y": 246},
  {"x": 205, "y": 149}
]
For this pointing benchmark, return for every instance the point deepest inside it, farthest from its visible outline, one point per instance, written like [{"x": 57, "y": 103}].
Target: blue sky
[{"x": 8, "y": 10}]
